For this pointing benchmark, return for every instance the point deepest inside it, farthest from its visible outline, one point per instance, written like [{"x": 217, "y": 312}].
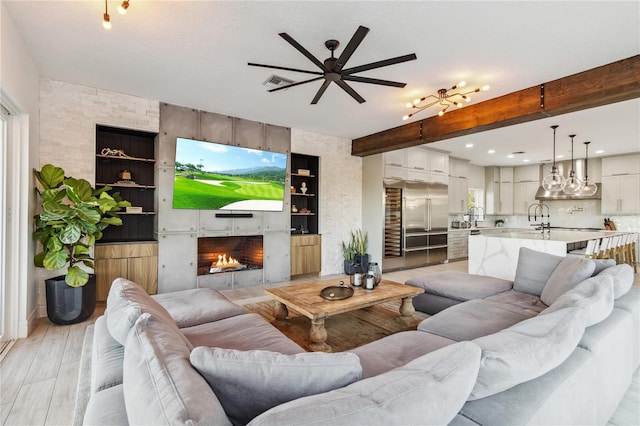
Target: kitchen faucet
[
  {"x": 538, "y": 210},
  {"x": 473, "y": 212}
]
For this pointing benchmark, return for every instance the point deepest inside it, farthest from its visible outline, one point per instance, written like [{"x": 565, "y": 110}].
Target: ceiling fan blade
[
  {"x": 373, "y": 81},
  {"x": 320, "y": 92},
  {"x": 304, "y": 51},
  {"x": 350, "y": 91},
  {"x": 379, "y": 64},
  {"x": 284, "y": 68},
  {"x": 355, "y": 41},
  {"x": 297, "y": 83}
]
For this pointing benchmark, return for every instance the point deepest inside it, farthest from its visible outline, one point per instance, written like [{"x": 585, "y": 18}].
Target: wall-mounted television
[{"x": 213, "y": 176}]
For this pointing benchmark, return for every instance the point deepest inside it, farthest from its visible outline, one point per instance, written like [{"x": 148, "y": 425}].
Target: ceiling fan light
[
  {"x": 406, "y": 117},
  {"x": 485, "y": 88},
  {"x": 123, "y": 7},
  {"x": 462, "y": 84},
  {"x": 467, "y": 98},
  {"x": 441, "y": 113},
  {"x": 409, "y": 105},
  {"x": 459, "y": 104}
]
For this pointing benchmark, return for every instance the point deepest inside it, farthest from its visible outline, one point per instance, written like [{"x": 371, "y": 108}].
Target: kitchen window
[{"x": 476, "y": 204}]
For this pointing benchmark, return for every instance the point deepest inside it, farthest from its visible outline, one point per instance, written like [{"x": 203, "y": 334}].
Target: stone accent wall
[
  {"x": 340, "y": 179},
  {"x": 68, "y": 117}
]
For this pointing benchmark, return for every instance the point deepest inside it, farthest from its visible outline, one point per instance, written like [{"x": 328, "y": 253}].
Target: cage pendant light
[
  {"x": 573, "y": 184},
  {"x": 588, "y": 188},
  {"x": 554, "y": 181}
]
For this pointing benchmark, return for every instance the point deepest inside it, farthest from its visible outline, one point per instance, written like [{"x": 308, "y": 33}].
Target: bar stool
[
  {"x": 589, "y": 251},
  {"x": 603, "y": 252},
  {"x": 630, "y": 249}
]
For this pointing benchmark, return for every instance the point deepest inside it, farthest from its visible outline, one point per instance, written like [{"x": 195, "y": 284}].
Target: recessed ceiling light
[
  {"x": 559, "y": 156},
  {"x": 510, "y": 156},
  {"x": 491, "y": 151},
  {"x": 600, "y": 151},
  {"x": 526, "y": 160},
  {"x": 469, "y": 145}
]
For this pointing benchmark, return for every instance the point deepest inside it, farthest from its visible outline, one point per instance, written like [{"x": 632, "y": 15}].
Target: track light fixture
[
  {"x": 123, "y": 7},
  {"x": 444, "y": 98},
  {"x": 106, "y": 19}
]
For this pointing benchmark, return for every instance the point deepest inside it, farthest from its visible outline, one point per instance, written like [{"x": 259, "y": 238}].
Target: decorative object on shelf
[
  {"x": 73, "y": 216},
  {"x": 588, "y": 187},
  {"x": 573, "y": 184},
  {"x": 554, "y": 181},
  {"x": 499, "y": 223},
  {"x": 133, "y": 209},
  {"x": 369, "y": 282},
  {"x": 304, "y": 210},
  {"x": 374, "y": 270},
  {"x": 355, "y": 252},
  {"x": 293, "y": 189},
  {"x": 444, "y": 98},
  {"x": 331, "y": 70},
  {"x": 294, "y": 209},
  {"x": 304, "y": 172},
  {"x": 124, "y": 175},
  {"x": 355, "y": 278},
  {"x": 303, "y": 188}
]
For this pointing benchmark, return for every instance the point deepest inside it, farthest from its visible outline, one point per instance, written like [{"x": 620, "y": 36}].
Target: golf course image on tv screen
[{"x": 213, "y": 176}]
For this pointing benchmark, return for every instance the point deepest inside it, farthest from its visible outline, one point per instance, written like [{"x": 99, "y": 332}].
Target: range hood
[{"x": 564, "y": 168}]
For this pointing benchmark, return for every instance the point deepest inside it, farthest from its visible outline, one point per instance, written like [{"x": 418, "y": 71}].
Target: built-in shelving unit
[{"x": 304, "y": 204}]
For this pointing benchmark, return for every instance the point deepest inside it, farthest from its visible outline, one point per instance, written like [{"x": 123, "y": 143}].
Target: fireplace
[{"x": 218, "y": 255}]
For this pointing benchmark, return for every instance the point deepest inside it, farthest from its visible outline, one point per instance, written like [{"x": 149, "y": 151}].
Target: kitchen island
[{"x": 497, "y": 255}]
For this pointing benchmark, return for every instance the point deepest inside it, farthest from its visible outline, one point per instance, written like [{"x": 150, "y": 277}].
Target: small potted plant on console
[
  {"x": 355, "y": 254},
  {"x": 73, "y": 216}
]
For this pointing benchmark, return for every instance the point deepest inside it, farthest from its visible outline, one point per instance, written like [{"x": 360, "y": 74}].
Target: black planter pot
[
  {"x": 351, "y": 267},
  {"x": 70, "y": 305},
  {"x": 363, "y": 261}
]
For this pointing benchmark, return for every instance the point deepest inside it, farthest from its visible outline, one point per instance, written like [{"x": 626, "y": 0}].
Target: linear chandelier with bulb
[
  {"x": 106, "y": 18},
  {"x": 444, "y": 98}
]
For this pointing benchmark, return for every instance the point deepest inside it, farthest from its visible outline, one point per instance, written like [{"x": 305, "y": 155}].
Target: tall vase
[{"x": 69, "y": 305}]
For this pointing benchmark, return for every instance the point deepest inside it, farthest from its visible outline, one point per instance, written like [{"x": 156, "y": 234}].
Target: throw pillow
[
  {"x": 594, "y": 295},
  {"x": 431, "y": 389},
  {"x": 622, "y": 279},
  {"x": 251, "y": 382},
  {"x": 569, "y": 272},
  {"x": 526, "y": 350},
  {"x": 602, "y": 264},
  {"x": 533, "y": 270},
  {"x": 125, "y": 303},
  {"x": 161, "y": 385}
]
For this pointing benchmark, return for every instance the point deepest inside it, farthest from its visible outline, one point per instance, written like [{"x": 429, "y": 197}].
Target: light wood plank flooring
[{"x": 39, "y": 375}]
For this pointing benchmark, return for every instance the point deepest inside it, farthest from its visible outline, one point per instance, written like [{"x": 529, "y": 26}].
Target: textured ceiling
[{"x": 195, "y": 53}]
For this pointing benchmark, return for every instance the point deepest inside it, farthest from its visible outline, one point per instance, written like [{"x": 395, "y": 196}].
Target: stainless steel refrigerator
[{"x": 416, "y": 222}]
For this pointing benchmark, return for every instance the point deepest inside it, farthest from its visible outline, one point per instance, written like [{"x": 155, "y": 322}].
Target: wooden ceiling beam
[{"x": 615, "y": 82}]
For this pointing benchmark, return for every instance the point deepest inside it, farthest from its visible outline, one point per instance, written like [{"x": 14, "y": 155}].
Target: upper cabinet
[
  {"x": 527, "y": 174},
  {"x": 621, "y": 185},
  {"x": 458, "y": 168},
  {"x": 416, "y": 164}
]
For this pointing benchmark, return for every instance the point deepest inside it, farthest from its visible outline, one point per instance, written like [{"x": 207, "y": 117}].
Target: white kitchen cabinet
[
  {"x": 458, "y": 195},
  {"x": 458, "y": 244},
  {"x": 524, "y": 194},
  {"x": 438, "y": 162},
  {"x": 396, "y": 158},
  {"x": 526, "y": 174},
  {"x": 505, "y": 205},
  {"x": 621, "y": 194},
  {"x": 458, "y": 168},
  {"x": 415, "y": 175},
  {"x": 395, "y": 172},
  {"x": 626, "y": 164},
  {"x": 491, "y": 190},
  {"x": 418, "y": 158}
]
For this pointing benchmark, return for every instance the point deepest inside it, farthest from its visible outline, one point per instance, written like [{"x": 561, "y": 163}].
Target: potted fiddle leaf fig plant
[
  {"x": 355, "y": 254},
  {"x": 72, "y": 219}
]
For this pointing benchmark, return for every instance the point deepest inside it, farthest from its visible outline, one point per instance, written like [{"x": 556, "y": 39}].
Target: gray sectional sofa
[{"x": 557, "y": 346}]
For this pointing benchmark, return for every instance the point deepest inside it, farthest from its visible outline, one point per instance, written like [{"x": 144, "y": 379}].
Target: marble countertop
[{"x": 554, "y": 235}]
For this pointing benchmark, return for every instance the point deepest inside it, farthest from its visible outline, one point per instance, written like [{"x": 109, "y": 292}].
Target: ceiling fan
[{"x": 332, "y": 69}]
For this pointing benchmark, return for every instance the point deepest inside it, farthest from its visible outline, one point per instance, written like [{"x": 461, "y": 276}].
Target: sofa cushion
[
  {"x": 125, "y": 303},
  {"x": 594, "y": 295},
  {"x": 249, "y": 383},
  {"x": 428, "y": 390},
  {"x": 107, "y": 356},
  {"x": 602, "y": 264},
  {"x": 460, "y": 286},
  {"x": 161, "y": 385},
  {"x": 243, "y": 332},
  {"x": 569, "y": 272},
  {"x": 197, "y": 306},
  {"x": 472, "y": 319},
  {"x": 622, "y": 278},
  {"x": 527, "y": 350},
  {"x": 533, "y": 270},
  {"x": 106, "y": 408},
  {"x": 396, "y": 350},
  {"x": 519, "y": 300}
]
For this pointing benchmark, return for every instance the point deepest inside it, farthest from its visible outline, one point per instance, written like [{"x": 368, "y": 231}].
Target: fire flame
[{"x": 223, "y": 262}]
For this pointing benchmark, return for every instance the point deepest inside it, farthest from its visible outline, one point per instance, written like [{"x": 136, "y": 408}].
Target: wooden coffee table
[{"x": 306, "y": 299}]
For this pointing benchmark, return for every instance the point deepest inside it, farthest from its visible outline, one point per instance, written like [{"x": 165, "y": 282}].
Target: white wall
[
  {"x": 340, "y": 192},
  {"x": 68, "y": 117},
  {"x": 19, "y": 87}
]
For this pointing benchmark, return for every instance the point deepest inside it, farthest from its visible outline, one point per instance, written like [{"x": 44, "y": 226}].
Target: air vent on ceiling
[{"x": 276, "y": 81}]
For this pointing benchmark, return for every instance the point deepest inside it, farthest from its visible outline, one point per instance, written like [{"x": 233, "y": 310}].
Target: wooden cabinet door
[
  {"x": 144, "y": 272},
  {"x": 108, "y": 270}
]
